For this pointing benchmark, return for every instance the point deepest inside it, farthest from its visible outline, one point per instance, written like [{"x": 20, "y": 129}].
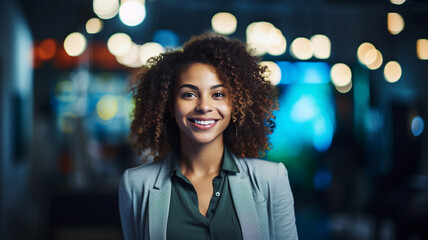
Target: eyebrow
[{"x": 196, "y": 88}]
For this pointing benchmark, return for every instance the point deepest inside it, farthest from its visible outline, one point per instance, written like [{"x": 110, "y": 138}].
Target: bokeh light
[
  {"x": 107, "y": 107},
  {"x": 344, "y": 89},
  {"x": 392, "y": 71},
  {"x": 224, "y": 23},
  {"x": 397, "y": 2},
  {"x": 264, "y": 37},
  {"x": 46, "y": 49},
  {"x": 321, "y": 45},
  {"x": 378, "y": 61},
  {"x": 301, "y": 48},
  {"x": 132, "y": 13},
  {"x": 273, "y": 73},
  {"x": 149, "y": 50},
  {"x": 75, "y": 44},
  {"x": 362, "y": 51},
  {"x": 395, "y": 23},
  {"x": 119, "y": 44},
  {"x": 370, "y": 56},
  {"x": 131, "y": 58},
  {"x": 417, "y": 126},
  {"x": 94, "y": 25},
  {"x": 106, "y": 9},
  {"x": 277, "y": 46},
  {"x": 340, "y": 74},
  {"x": 422, "y": 49},
  {"x": 304, "y": 109}
]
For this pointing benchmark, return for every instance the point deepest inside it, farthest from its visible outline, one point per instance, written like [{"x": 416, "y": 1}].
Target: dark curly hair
[{"x": 253, "y": 97}]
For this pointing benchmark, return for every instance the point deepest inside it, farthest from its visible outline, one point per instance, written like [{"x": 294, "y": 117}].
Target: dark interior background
[{"x": 373, "y": 176}]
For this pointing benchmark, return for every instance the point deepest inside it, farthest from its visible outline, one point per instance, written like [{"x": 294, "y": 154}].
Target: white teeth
[{"x": 204, "y": 122}]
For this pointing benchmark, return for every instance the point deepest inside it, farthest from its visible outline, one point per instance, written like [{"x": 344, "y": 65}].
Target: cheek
[
  {"x": 226, "y": 111},
  {"x": 180, "y": 109}
]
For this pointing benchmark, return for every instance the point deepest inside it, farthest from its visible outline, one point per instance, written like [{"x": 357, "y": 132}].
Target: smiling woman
[
  {"x": 202, "y": 108},
  {"x": 205, "y": 113}
]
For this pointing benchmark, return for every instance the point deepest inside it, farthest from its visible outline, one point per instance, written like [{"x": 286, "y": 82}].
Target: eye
[
  {"x": 188, "y": 95},
  {"x": 218, "y": 95}
]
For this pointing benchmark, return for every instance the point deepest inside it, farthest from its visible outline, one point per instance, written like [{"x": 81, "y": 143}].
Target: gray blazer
[{"x": 260, "y": 191}]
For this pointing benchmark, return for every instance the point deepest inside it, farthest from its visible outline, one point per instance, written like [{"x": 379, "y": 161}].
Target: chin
[{"x": 204, "y": 139}]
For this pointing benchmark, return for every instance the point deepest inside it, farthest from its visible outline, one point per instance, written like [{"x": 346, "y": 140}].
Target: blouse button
[{"x": 217, "y": 194}]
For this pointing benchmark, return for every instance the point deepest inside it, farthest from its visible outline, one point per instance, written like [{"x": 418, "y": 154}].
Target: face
[{"x": 202, "y": 105}]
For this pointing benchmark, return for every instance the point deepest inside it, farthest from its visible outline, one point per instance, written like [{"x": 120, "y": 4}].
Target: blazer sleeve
[
  {"x": 126, "y": 208},
  {"x": 283, "y": 207}
]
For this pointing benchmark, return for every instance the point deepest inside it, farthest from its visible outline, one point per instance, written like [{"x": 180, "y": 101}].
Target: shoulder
[
  {"x": 270, "y": 179},
  {"x": 263, "y": 169},
  {"x": 145, "y": 174}
]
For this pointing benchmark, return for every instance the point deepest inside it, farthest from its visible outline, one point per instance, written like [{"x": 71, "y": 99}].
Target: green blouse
[{"x": 184, "y": 219}]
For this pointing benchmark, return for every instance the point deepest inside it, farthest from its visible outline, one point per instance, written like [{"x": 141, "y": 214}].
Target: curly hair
[{"x": 253, "y": 97}]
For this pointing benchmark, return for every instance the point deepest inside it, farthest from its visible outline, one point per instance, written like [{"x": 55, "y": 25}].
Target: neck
[{"x": 201, "y": 159}]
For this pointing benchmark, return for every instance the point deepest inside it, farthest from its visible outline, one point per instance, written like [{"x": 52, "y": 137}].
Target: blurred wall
[{"x": 16, "y": 209}]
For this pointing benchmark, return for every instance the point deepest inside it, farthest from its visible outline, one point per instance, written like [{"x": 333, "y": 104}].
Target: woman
[{"x": 205, "y": 114}]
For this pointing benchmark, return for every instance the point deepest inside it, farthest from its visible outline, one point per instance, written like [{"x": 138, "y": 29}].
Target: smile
[{"x": 203, "y": 124}]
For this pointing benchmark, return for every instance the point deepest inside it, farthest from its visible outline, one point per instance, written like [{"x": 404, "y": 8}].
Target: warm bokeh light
[
  {"x": 321, "y": 45},
  {"x": 273, "y": 73},
  {"x": 340, "y": 74},
  {"x": 149, "y": 50},
  {"x": 301, "y": 48},
  {"x": 46, "y": 49},
  {"x": 224, "y": 23},
  {"x": 119, "y": 44},
  {"x": 131, "y": 58},
  {"x": 392, "y": 71},
  {"x": 370, "y": 56},
  {"x": 264, "y": 37},
  {"x": 395, "y": 23},
  {"x": 362, "y": 51},
  {"x": 397, "y": 2},
  {"x": 417, "y": 126},
  {"x": 344, "y": 89},
  {"x": 94, "y": 25},
  {"x": 278, "y": 45},
  {"x": 75, "y": 44},
  {"x": 132, "y": 12},
  {"x": 107, "y": 107},
  {"x": 422, "y": 49},
  {"x": 378, "y": 61},
  {"x": 106, "y": 9}
]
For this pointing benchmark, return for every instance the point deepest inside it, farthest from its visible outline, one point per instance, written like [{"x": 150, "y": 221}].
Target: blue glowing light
[
  {"x": 417, "y": 126},
  {"x": 304, "y": 109},
  {"x": 166, "y": 38},
  {"x": 323, "y": 134},
  {"x": 304, "y": 72},
  {"x": 306, "y": 119}
]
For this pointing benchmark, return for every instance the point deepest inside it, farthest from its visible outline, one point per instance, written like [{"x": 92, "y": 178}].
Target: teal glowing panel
[
  {"x": 306, "y": 119},
  {"x": 304, "y": 72}
]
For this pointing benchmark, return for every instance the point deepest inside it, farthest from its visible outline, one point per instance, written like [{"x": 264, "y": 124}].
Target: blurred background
[{"x": 353, "y": 81}]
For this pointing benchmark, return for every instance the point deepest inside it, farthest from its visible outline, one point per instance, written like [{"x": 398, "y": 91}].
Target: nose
[{"x": 204, "y": 105}]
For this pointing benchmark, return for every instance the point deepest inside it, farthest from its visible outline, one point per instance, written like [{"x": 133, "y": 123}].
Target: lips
[{"x": 203, "y": 124}]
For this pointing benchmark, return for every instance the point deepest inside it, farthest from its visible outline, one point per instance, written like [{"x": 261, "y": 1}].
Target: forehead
[{"x": 199, "y": 74}]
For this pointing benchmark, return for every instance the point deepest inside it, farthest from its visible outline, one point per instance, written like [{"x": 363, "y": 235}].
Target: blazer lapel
[
  {"x": 245, "y": 204},
  {"x": 159, "y": 201}
]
